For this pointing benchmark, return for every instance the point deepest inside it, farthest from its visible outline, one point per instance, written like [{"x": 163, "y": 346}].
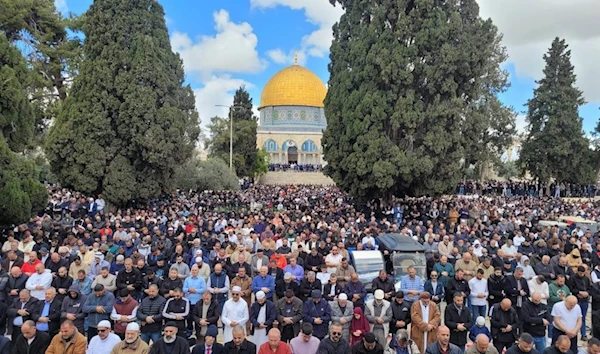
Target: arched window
[
  {"x": 270, "y": 145},
  {"x": 287, "y": 144},
  {"x": 309, "y": 146}
]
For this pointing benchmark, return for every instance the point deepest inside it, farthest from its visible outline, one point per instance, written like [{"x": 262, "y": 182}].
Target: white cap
[
  {"x": 260, "y": 295},
  {"x": 343, "y": 296},
  {"x": 133, "y": 326},
  {"x": 198, "y": 259},
  {"x": 236, "y": 288},
  {"x": 287, "y": 275},
  {"x": 199, "y": 252},
  {"x": 379, "y": 294},
  {"x": 104, "y": 324},
  {"x": 480, "y": 321}
]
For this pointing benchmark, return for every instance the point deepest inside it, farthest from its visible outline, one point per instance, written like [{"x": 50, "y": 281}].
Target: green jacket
[{"x": 555, "y": 292}]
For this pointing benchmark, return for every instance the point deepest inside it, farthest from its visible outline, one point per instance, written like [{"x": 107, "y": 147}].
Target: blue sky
[{"x": 228, "y": 43}]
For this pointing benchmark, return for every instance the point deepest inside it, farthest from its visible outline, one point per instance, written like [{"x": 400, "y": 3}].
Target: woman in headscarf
[
  {"x": 359, "y": 326},
  {"x": 528, "y": 272}
]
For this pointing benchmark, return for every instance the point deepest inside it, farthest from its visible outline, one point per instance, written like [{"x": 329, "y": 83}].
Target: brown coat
[
  {"x": 137, "y": 348},
  {"x": 78, "y": 345},
  {"x": 246, "y": 285},
  {"x": 419, "y": 327}
]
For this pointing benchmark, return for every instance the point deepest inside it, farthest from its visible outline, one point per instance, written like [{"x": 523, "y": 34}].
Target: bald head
[
  {"x": 570, "y": 302},
  {"x": 482, "y": 343},
  {"x": 505, "y": 304},
  {"x": 536, "y": 298}
]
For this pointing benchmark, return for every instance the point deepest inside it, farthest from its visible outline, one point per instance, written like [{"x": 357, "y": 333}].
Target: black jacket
[
  {"x": 17, "y": 284},
  {"x": 132, "y": 278},
  {"x": 554, "y": 350},
  {"x": 328, "y": 347},
  {"x": 327, "y": 290},
  {"x": 53, "y": 315},
  {"x": 212, "y": 315},
  {"x": 281, "y": 286},
  {"x": 217, "y": 348},
  {"x": 154, "y": 308},
  {"x": 454, "y": 286},
  {"x": 501, "y": 319},
  {"x": 386, "y": 285},
  {"x": 247, "y": 347},
  {"x": 577, "y": 284},
  {"x": 546, "y": 270},
  {"x": 434, "y": 348},
  {"x": 62, "y": 283},
  {"x": 38, "y": 346},
  {"x": 495, "y": 289},
  {"x": 452, "y": 319},
  {"x": 359, "y": 348},
  {"x": 5, "y": 345},
  {"x": 532, "y": 317},
  {"x": 169, "y": 284},
  {"x": 516, "y": 350},
  {"x": 181, "y": 346},
  {"x": 306, "y": 288},
  {"x": 31, "y": 306},
  {"x": 400, "y": 312},
  {"x": 512, "y": 291}
]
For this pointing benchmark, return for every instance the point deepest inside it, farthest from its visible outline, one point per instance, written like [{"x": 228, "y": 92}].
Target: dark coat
[
  {"x": 133, "y": 278},
  {"x": 512, "y": 291},
  {"x": 296, "y": 313},
  {"x": 53, "y": 315},
  {"x": 327, "y": 290},
  {"x": 270, "y": 315},
  {"x": 386, "y": 285},
  {"x": 212, "y": 315},
  {"x": 281, "y": 286},
  {"x": 439, "y": 290},
  {"x": 17, "y": 284},
  {"x": 359, "y": 348},
  {"x": 181, "y": 346},
  {"x": 247, "y": 347},
  {"x": 434, "y": 348},
  {"x": 38, "y": 346},
  {"x": 501, "y": 319},
  {"x": 217, "y": 348},
  {"x": 5, "y": 345},
  {"x": 532, "y": 317},
  {"x": 6, "y": 263},
  {"x": 62, "y": 283},
  {"x": 455, "y": 286},
  {"x": 495, "y": 289},
  {"x": 452, "y": 319},
  {"x": 31, "y": 306},
  {"x": 320, "y": 310},
  {"x": 400, "y": 312},
  {"x": 327, "y": 347},
  {"x": 306, "y": 288}
]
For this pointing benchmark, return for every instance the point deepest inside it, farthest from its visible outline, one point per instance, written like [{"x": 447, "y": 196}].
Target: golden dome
[{"x": 294, "y": 86}]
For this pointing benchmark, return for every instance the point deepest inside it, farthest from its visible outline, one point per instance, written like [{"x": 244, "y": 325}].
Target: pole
[{"x": 230, "y": 139}]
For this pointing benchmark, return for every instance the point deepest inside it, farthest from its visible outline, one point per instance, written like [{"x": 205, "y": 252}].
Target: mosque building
[{"x": 292, "y": 117}]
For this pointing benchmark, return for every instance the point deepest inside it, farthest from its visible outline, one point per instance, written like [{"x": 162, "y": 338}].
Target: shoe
[{"x": 585, "y": 338}]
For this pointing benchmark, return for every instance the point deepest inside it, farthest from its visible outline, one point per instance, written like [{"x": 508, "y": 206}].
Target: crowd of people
[
  {"x": 296, "y": 167},
  {"x": 525, "y": 188},
  {"x": 266, "y": 270}
]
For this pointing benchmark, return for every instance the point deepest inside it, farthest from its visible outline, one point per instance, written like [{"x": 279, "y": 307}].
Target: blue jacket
[
  {"x": 199, "y": 284},
  {"x": 267, "y": 282},
  {"x": 91, "y": 302},
  {"x": 320, "y": 310},
  {"x": 476, "y": 330},
  {"x": 440, "y": 291}
]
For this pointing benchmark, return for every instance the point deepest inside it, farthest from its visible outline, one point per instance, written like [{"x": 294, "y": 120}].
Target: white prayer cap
[
  {"x": 133, "y": 327},
  {"x": 260, "y": 295},
  {"x": 379, "y": 294},
  {"x": 343, "y": 296},
  {"x": 199, "y": 252},
  {"x": 236, "y": 289},
  {"x": 104, "y": 324},
  {"x": 198, "y": 259}
]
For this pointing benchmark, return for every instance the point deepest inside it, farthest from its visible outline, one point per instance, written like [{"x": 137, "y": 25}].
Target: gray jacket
[{"x": 336, "y": 315}]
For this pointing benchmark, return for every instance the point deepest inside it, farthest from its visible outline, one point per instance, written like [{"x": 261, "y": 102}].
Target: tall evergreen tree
[
  {"x": 128, "y": 121},
  {"x": 555, "y": 146},
  {"x": 404, "y": 75},
  {"x": 244, "y": 135}
]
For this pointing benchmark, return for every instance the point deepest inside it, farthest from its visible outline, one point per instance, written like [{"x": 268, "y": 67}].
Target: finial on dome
[{"x": 296, "y": 57}]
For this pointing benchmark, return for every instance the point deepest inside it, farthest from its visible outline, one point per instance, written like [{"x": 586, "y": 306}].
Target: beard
[
  {"x": 169, "y": 339},
  {"x": 129, "y": 341}
]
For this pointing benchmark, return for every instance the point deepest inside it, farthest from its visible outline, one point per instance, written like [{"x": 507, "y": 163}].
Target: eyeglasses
[{"x": 336, "y": 333}]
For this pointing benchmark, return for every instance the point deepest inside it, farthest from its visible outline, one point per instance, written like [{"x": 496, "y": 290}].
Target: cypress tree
[
  {"x": 555, "y": 145},
  {"x": 128, "y": 121},
  {"x": 404, "y": 74}
]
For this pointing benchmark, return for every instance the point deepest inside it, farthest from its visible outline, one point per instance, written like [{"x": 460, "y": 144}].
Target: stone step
[{"x": 289, "y": 177}]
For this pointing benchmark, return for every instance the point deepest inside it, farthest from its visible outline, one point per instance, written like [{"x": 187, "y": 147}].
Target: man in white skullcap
[
  {"x": 262, "y": 315},
  {"x": 379, "y": 314},
  {"x": 342, "y": 311},
  {"x": 133, "y": 343},
  {"x": 235, "y": 312},
  {"x": 105, "y": 341}
]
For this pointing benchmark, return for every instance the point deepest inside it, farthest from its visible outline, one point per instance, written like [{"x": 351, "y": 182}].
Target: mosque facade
[{"x": 292, "y": 117}]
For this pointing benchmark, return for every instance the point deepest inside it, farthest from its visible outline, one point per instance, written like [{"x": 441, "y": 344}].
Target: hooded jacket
[
  {"x": 97, "y": 266},
  {"x": 74, "y": 305}
]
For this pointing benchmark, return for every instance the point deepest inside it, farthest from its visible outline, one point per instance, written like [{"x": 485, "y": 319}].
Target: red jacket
[{"x": 29, "y": 268}]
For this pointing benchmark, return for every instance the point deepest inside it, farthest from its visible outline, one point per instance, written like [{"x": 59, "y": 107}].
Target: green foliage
[
  {"x": 555, "y": 145},
  {"x": 411, "y": 96},
  {"x": 128, "y": 121},
  {"x": 261, "y": 164},
  {"x": 16, "y": 113},
  {"x": 212, "y": 174},
  {"x": 21, "y": 193},
  {"x": 244, "y": 135},
  {"x": 507, "y": 169}
]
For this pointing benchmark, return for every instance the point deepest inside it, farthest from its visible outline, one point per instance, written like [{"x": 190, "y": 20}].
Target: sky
[{"x": 228, "y": 43}]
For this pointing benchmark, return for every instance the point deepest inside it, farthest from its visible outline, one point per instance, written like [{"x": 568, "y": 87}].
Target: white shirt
[
  {"x": 566, "y": 317},
  {"x": 478, "y": 287},
  {"x": 542, "y": 289},
  {"x": 44, "y": 279},
  {"x": 103, "y": 346},
  {"x": 234, "y": 311}
]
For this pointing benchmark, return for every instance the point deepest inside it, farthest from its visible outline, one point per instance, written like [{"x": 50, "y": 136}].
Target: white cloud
[
  {"x": 218, "y": 90},
  {"x": 231, "y": 50},
  {"x": 530, "y": 26},
  {"x": 61, "y": 6},
  {"x": 521, "y": 124},
  {"x": 277, "y": 56},
  {"x": 318, "y": 12}
]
